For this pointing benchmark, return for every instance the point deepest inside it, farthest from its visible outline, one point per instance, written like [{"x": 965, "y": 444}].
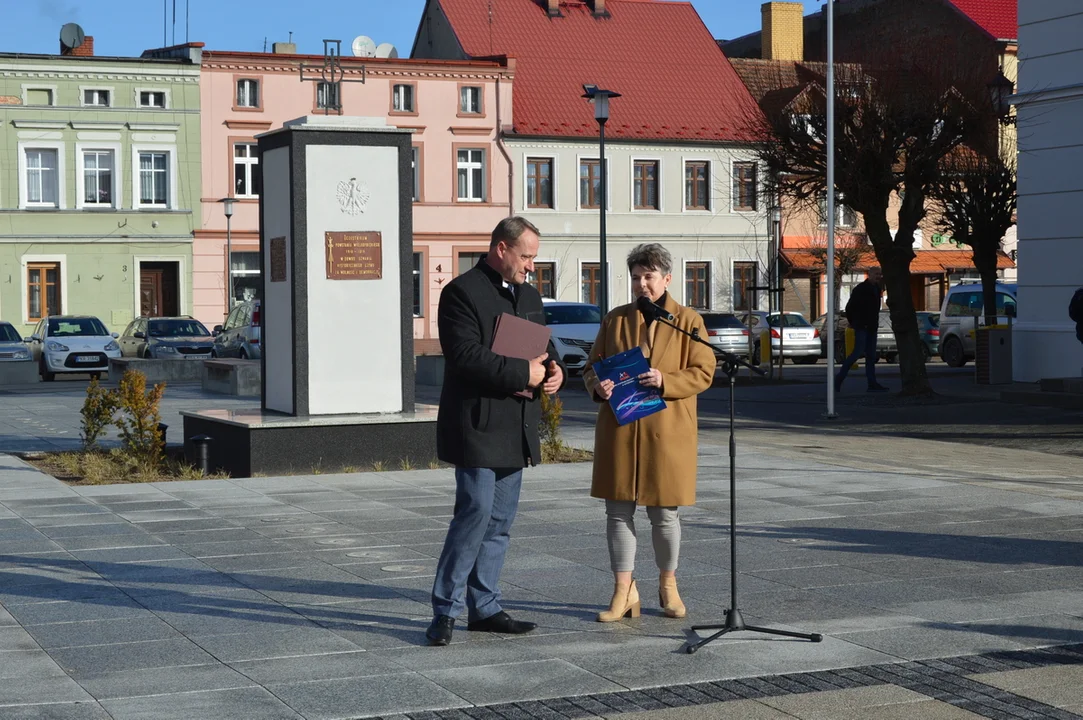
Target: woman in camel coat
[{"x": 651, "y": 461}]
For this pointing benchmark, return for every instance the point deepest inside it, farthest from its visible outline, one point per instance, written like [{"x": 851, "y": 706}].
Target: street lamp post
[
  {"x": 227, "y": 207},
  {"x": 600, "y": 100},
  {"x": 830, "y": 324}
]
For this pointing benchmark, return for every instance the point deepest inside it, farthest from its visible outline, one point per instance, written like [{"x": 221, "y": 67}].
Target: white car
[
  {"x": 12, "y": 347},
  {"x": 574, "y": 326},
  {"x": 802, "y": 340},
  {"x": 72, "y": 344}
]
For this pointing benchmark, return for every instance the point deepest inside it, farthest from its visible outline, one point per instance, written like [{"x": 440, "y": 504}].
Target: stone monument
[{"x": 336, "y": 244}]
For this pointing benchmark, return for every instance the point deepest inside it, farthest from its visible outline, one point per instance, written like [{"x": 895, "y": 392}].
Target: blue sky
[{"x": 127, "y": 27}]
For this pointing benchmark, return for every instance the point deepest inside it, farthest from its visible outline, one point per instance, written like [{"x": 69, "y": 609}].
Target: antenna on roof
[
  {"x": 72, "y": 35},
  {"x": 386, "y": 50},
  {"x": 363, "y": 46}
]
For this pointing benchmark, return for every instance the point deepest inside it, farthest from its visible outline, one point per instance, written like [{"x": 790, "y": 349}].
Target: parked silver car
[
  {"x": 727, "y": 333},
  {"x": 12, "y": 346},
  {"x": 239, "y": 337},
  {"x": 792, "y": 336},
  {"x": 960, "y": 314},
  {"x": 574, "y": 326},
  {"x": 166, "y": 338},
  {"x": 72, "y": 344}
]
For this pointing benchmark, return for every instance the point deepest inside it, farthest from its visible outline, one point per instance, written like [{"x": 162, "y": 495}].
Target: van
[{"x": 960, "y": 315}]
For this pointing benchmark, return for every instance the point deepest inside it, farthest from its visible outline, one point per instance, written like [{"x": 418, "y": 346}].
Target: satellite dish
[
  {"x": 72, "y": 35},
  {"x": 363, "y": 46},
  {"x": 386, "y": 50}
]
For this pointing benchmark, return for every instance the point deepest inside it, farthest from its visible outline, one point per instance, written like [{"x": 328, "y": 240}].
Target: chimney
[
  {"x": 552, "y": 7},
  {"x": 286, "y": 48},
  {"x": 783, "y": 36},
  {"x": 84, "y": 50},
  {"x": 599, "y": 9}
]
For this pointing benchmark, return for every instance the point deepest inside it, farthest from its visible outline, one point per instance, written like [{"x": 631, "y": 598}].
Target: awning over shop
[{"x": 926, "y": 262}]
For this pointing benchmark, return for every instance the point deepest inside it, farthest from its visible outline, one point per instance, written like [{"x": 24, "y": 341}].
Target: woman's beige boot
[
  {"x": 669, "y": 598},
  {"x": 625, "y": 602}
]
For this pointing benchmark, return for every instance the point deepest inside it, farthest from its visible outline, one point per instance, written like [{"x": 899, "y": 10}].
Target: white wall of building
[
  {"x": 721, "y": 235},
  {"x": 1050, "y": 251}
]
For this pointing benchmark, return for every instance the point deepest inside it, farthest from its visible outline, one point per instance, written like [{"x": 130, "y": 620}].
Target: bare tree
[
  {"x": 897, "y": 118},
  {"x": 977, "y": 195}
]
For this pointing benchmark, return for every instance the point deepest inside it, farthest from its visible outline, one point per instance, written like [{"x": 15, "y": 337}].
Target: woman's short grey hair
[{"x": 651, "y": 256}]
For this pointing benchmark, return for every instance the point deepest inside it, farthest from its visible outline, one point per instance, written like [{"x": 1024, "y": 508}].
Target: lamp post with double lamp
[
  {"x": 227, "y": 207},
  {"x": 599, "y": 98}
]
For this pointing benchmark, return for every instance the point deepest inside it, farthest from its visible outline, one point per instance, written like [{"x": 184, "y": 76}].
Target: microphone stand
[{"x": 731, "y": 364}]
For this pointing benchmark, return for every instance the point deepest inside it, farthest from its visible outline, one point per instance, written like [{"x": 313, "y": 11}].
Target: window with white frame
[
  {"x": 98, "y": 167},
  {"x": 470, "y": 168},
  {"x": 152, "y": 98},
  {"x": 645, "y": 185},
  {"x": 697, "y": 285},
  {"x": 845, "y": 217},
  {"x": 154, "y": 178},
  {"x": 744, "y": 186},
  {"x": 590, "y": 183},
  {"x": 96, "y": 97},
  {"x": 42, "y": 177},
  {"x": 402, "y": 98},
  {"x": 246, "y": 176},
  {"x": 245, "y": 275},
  {"x": 697, "y": 184},
  {"x": 248, "y": 93},
  {"x": 470, "y": 100},
  {"x": 327, "y": 96},
  {"x": 539, "y": 182}
]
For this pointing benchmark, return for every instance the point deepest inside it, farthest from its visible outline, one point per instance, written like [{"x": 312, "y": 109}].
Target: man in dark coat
[
  {"x": 484, "y": 429},
  {"x": 863, "y": 314}
]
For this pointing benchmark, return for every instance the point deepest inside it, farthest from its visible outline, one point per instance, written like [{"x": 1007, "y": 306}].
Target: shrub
[
  {"x": 552, "y": 409},
  {"x": 98, "y": 410},
  {"x": 138, "y": 423}
]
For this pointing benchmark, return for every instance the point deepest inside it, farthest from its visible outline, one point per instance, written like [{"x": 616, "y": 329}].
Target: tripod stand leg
[
  {"x": 692, "y": 648},
  {"x": 814, "y": 637}
]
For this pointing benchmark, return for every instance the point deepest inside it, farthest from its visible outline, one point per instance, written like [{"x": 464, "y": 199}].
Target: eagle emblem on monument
[{"x": 353, "y": 196}]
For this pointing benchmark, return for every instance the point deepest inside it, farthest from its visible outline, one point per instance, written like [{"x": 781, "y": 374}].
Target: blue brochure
[{"x": 630, "y": 400}]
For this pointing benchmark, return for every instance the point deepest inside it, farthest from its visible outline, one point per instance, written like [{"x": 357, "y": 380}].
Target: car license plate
[
  {"x": 197, "y": 357},
  {"x": 86, "y": 358},
  {"x": 800, "y": 336}
]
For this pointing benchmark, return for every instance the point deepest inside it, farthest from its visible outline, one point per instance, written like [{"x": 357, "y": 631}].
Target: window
[
  {"x": 327, "y": 96},
  {"x": 697, "y": 285},
  {"x": 744, "y": 186},
  {"x": 696, "y": 182},
  {"x": 42, "y": 290},
  {"x": 99, "y": 98},
  {"x": 244, "y": 269},
  {"x": 645, "y": 185},
  {"x": 542, "y": 279},
  {"x": 844, "y": 215},
  {"x": 744, "y": 278},
  {"x": 469, "y": 100},
  {"x": 152, "y": 98},
  {"x": 246, "y": 175},
  {"x": 248, "y": 93},
  {"x": 539, "y": 187},
  {"x": 592, "y": 283},
  {"x": 42, "y": 180},
  {"x": 590, "y": 183},
  {"x": 418, "y": 259},
  {"x": 98, "y": 177},
  {"x": 154, "y": 178},
  {"x": 402, "y": 99},
  {"x": 415, "y": 166},
  {"x": 471, "y": 175},
  {"x": 39, "y": 96},
  {"x": 467, "y": 260}
]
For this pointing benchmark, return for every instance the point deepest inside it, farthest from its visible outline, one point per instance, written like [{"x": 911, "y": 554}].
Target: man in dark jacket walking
[
  {"x": 485, "y": 430},
  {"x": 863, "y": 314}
]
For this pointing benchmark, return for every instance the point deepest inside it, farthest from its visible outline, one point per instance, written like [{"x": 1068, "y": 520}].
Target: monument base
[{"x": 252, "y": 442}]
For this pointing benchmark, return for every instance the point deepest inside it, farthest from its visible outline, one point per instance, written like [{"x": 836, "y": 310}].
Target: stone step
[
  {"x": 1062, "y": 385},
  {"x": 1063, "y": 400}
]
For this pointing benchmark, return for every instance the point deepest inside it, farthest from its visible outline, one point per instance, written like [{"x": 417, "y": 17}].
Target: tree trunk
[
  {"x": 986, "y": 263},
  {"x": 895, "y": 265}
]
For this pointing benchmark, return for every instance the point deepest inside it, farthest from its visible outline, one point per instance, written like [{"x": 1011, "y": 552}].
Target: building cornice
[
  {"x": 563, "y": 143},
  {"x": 293, "y": 68},
  {"x": 39, "y": 72}
]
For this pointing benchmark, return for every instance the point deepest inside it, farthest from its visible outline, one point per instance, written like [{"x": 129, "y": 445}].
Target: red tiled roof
[
  {"x": 674, "y": 81},
  {"x": 925, "y": 262},
  {"x": 999, "y": 18}
]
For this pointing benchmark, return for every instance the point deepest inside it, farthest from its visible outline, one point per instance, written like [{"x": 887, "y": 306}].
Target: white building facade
[{"x": 1049, "y": 102}]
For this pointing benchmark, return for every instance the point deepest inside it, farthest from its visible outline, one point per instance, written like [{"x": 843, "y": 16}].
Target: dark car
[
  {"x": 166, "y": 338},
  {"x": 886, "y": 347},
  {"x": 929, "y": 328}
]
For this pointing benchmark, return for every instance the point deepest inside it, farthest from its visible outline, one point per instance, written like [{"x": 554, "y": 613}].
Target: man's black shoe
[
  {"x": 838, "y": 385},
  {"x": 878, "y": 388},
  {"x": 501, "y": 623},
  {"x": 439, "y": 633}
]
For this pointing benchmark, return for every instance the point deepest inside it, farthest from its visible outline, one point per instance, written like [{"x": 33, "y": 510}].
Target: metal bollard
[
  {"x": 201, "y": 452},
  {"x": 162, "y": 427}
]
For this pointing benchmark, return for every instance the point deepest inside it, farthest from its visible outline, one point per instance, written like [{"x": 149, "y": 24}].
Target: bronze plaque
[
  {"x": 278, "y": 259},
  {"x": 353, "y": 255}
]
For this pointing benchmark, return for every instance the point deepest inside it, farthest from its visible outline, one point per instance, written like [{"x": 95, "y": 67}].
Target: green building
[{"x": 99, "y": 184}]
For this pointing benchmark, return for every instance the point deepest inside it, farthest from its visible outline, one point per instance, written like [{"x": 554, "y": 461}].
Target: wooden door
[{"x": 150, "y": 292}]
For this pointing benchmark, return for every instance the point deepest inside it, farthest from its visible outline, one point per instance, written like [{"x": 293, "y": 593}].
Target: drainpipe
[{"x": 504, "y": 152}]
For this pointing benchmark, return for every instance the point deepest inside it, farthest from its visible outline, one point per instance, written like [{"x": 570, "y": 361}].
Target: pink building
[{"x": 462, "y": 172}]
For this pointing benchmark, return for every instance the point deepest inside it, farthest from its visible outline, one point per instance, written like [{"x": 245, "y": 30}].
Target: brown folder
[{"x": 517, "y": 337}]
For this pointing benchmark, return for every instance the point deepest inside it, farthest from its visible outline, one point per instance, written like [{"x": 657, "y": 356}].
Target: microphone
[{"x": 651, "y": 310}]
